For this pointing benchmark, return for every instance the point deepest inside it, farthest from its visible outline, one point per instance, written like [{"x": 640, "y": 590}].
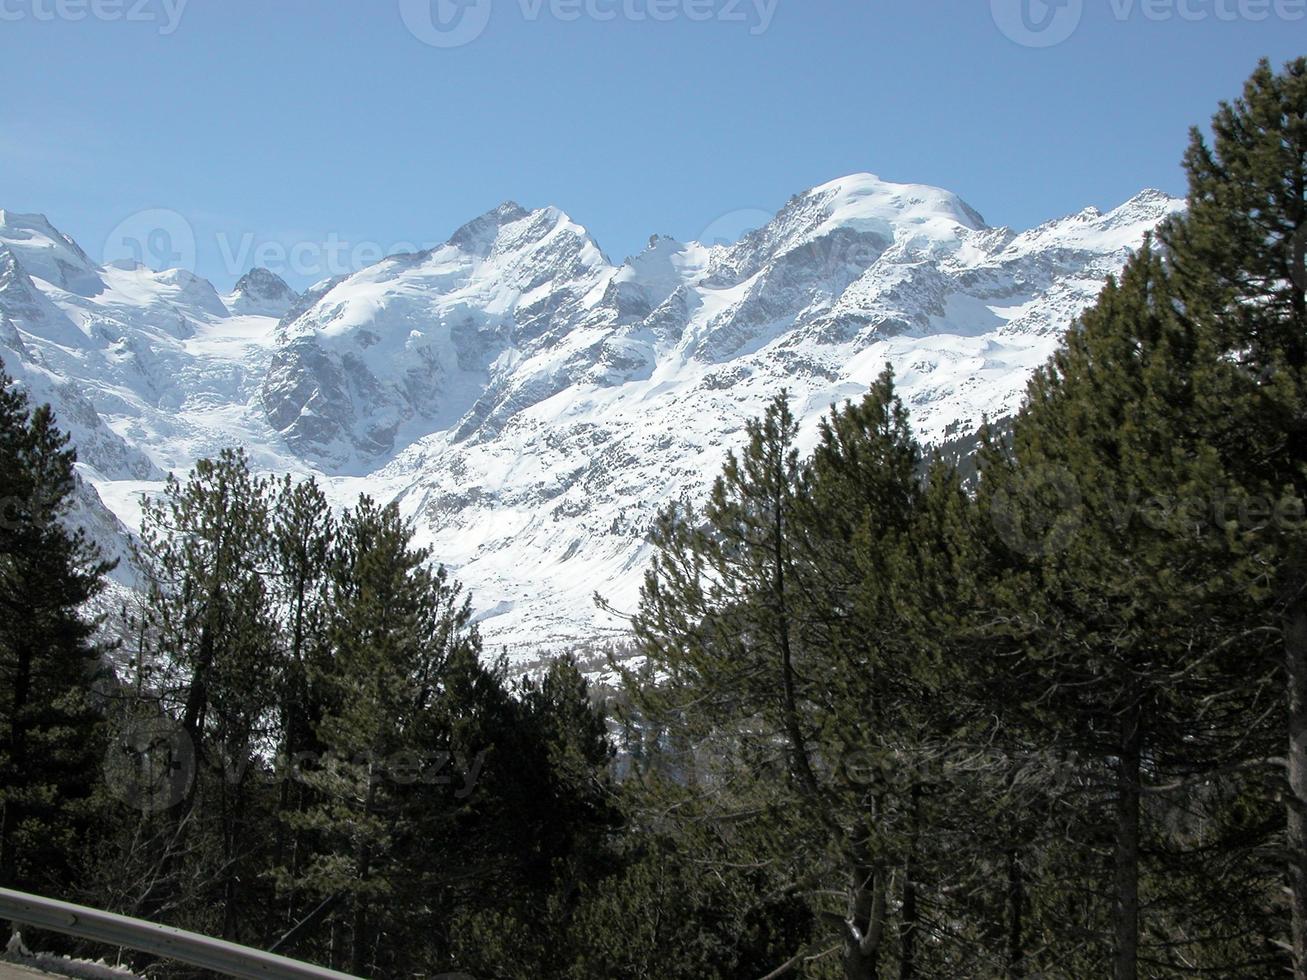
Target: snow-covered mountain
[
  {"x": 531, "y": 403},
  {"x": 261, "y": 293}
]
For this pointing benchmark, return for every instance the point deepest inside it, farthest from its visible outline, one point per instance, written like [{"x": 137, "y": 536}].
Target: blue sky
[{"x": 268, "y": 125}]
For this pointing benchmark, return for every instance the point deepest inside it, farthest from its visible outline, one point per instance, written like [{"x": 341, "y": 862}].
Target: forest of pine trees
[{"x": 1038, "y": 711}]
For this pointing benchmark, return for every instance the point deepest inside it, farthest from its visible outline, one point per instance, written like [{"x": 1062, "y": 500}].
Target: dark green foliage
[
  {"x": 798, "y": 634},
  {"x": 1082, "y": 658},
  {"x": 302, "y": 532},
  {"x": 1116, "y": 600},
  {"x": 50, "y": 732},
  {"x": 663, "y": 916},
  {"x": 1239, "y": 265},
  {"x": 313, "y": 747},
  {"x": 394, "y": 629},
  {"x": 205, "y": 665}
]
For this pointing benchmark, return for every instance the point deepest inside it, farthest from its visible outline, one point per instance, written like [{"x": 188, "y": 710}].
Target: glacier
[{"x": 530, "y": 403}]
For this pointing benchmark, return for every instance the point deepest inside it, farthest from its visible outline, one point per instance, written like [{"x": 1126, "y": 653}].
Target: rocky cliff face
[
  {"x": 261, "y": 293},
  {"x": 414, "y": 343}
]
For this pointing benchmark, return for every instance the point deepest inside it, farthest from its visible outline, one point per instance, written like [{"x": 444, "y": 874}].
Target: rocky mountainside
[
  {"x": 531, "y": 403},
  {"x": 261, "y": 293}
]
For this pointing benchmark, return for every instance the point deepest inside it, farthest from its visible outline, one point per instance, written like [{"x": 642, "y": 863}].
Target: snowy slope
[
  {"x": 408, "y": 346},
  {"x": 531, "y": 403}
]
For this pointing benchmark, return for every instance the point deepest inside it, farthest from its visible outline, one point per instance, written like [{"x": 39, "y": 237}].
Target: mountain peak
[
  {"x": 47, "y": 253},
  {"x": 864, "y": 196},
  {"x": 1107, "y": 233},
  {"x": 860, "y": 208},
  {"x": 1152, "y": 194},
  {"x": 24, "y": 225},
  {"x": 1150, "y": 201},
  {"x": 479, "y": 234},
  {"x": 262, "y": 282},
  {"x": 261, "y": 292},
  {"x": 28, "y": 221}
]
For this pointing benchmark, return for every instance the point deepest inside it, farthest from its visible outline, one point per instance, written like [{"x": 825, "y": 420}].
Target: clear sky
[{"x": 340, "y": 126}]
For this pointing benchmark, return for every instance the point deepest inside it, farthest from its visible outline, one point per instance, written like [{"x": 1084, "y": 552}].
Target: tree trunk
[
  {"x": 862, "y": 942},
  {"x": 908, "y": 943},
  {"x": 10, "y": 818},
  {"x": 359, "y": 948},
  {"x": 337, "y": 946},
  {"x": 868, "y": 896},
  {"x": 1016, "y": 955},
  {"x": 230, "y": 898},
  {"x": 1295, "y": 648},
  {"x": 1127, "y": 847},
  {"x": 359, "y": 952},
  {"x": 802, "y": 768}
]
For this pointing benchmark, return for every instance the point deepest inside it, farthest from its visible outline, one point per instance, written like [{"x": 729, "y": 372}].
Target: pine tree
[
  {"x": 301, "y": 533},
  {"x": 861, "y": 499},
  {"x": 538, "y": 831},
  {"x": 887, "y": 539},
  {"x": 50, "y": 729},
  {"x": 1119, "y": 600},
  {"x": 206, "y": 637},
  {"x": 1239, "y": 267},
  {"x": 396, "y": 627},
  {"x": 793, "y": 630}
]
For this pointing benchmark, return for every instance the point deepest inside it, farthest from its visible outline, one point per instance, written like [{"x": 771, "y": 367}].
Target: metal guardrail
[{"x": 148, "y": 937}]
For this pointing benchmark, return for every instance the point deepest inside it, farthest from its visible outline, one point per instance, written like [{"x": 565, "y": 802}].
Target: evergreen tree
[
  {"x": 660, "y": 915},
  {"x": 50, "y": 729},
  {"x": 209, "y": 665},
  {"x": 728, "y": 700},
  {"x": 861, "y": 530},
  {"x": 302, "y": 530},
  {"x": 1239, "y": 267},
  {"x": 795, "y": 635},
  {"x": 1119, "y": 601},
  {"x": 396, "y": 627},
  {"x": 538, "y": 832}
]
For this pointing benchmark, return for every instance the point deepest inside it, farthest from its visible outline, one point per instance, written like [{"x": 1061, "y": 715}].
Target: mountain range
[{"x": 529, "y": 402}]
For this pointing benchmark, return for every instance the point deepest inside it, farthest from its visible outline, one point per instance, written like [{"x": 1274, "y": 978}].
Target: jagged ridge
[{"x": 530, "y": 402}]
